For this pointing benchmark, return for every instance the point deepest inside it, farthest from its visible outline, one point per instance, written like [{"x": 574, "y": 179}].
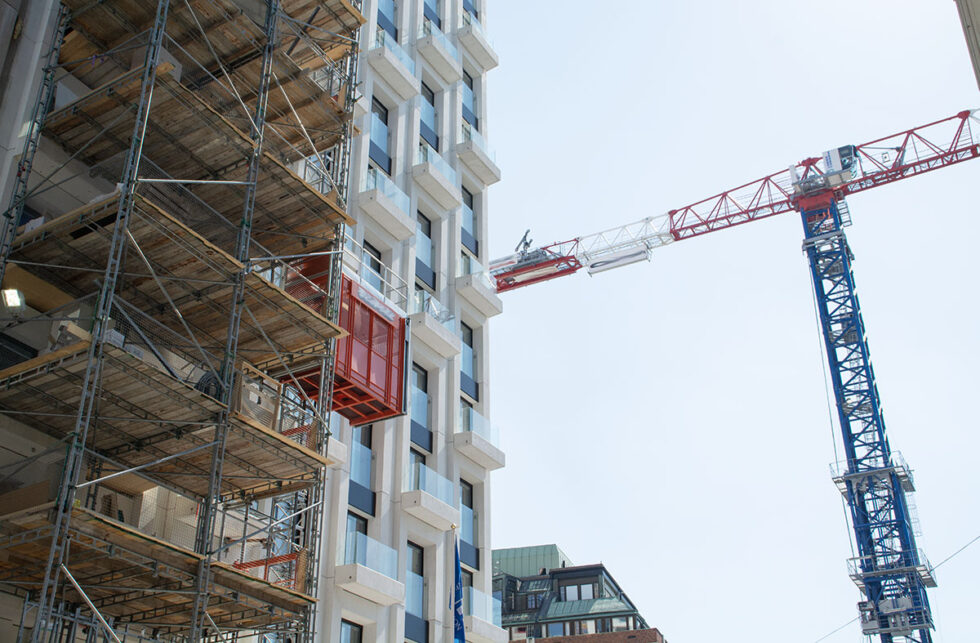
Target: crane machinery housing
[{"x": 889, "y": 570}]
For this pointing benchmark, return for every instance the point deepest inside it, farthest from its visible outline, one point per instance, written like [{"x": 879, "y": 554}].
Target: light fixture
[{"x": 13, "y": 299}]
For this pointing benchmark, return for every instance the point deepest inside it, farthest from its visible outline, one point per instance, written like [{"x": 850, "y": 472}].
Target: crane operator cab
[{"x": 841, "y": 165}]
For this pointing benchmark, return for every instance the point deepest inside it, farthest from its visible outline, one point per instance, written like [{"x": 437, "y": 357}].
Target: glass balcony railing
[
  {"x": 420, "y": 407},
  {"x": 469, "y": 133},
  {"x": 360, "y": 464},
  {"x": 470, "y": 420},
  {"x": 415, "y": 594},
  {"x": 376, "y": 180},
  {"x": 427, "y": 303},
  {"x": 468, "y": 525},
  {"x": 419, "y": 477},
  {"x": 384, "y": 39},
  {"x": 470, "y": 266},
  {"x": 385, "y": 281},
  {"x": 370, "y": 553},
  {"x": 430, "y": 29},
  {"x": 429, "y": 155},
  {"x": 482, "y": 606}
]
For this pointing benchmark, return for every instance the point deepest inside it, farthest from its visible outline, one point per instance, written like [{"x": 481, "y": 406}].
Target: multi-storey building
[
  {"x": 544, "y": 596},
  {"x": 244, "y": 325},
  {"x": 419, "y": 176}
]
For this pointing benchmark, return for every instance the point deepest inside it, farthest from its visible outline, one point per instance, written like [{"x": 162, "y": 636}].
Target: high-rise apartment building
[
  {"x": 243, "y": 329},
  {"x": 419, "y": 177}
]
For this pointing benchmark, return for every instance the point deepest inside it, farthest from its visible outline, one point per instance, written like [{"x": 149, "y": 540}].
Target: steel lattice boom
[
  {"x": 889, "y": 569},
  {"x": 879, "y": 162}
]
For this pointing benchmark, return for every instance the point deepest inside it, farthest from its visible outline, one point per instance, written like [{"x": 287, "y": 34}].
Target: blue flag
[{"x": 459, "y": 631}]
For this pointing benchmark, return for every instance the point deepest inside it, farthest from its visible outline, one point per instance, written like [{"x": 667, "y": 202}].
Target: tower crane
[{"x": 889, "y": 570}]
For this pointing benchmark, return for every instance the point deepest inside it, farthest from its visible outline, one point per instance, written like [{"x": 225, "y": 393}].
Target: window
[
  {"x": 415, "y": 585},
  {"x": 582, "y": 627},
  {"x": 388, "y": 17},
  {"x": 430, "y": 9},
  {"x": 468, "y": 363},
  {"x": 424, "y": 249},
  {"x": 420, "y": 378},
  {"x": 371, "y": 260},
  {"x": 620, "y": 623},
  {"x": 468, "y": 223},
  {"x": 466, "y": 415},
  {"x": 360, "y": 469},
  {"x": 356, "y": 544},
  {"x": 469, "y": 102},
  {"x": 380, "y": 136},
  {"x": 420, "y": 433},
  {"x": 467, "y": 578},
  {"x": 416, "y": 464},
  {"x": 429, "y": 124},
  {"x": 350, "y": 632},
  {"x": 556, "y": 629},
  {"x": 577, "y": 591},
  {"x": 470, "y": 8},
  {"x": 467, "y": 515}
]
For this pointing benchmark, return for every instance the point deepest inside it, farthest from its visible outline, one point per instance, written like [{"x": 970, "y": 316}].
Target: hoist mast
[{"x": 889, "y": 570}]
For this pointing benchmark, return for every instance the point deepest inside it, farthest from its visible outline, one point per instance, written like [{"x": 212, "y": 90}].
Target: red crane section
[
  {"x": 878, "y": 162},
  {"x": 838, "y": 173}
]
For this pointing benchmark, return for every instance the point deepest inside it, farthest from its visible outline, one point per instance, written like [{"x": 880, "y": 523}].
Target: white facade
[{"x": 366, "y": 581}]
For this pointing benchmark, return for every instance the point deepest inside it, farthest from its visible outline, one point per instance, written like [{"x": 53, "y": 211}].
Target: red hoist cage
[{"x": 369, "y": 378}]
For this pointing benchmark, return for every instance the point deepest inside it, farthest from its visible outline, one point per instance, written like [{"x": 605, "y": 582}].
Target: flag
[{"x": 459, "y": 631}]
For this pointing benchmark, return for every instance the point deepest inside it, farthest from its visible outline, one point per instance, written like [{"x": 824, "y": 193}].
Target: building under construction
[{"x": 172, "y": 266}]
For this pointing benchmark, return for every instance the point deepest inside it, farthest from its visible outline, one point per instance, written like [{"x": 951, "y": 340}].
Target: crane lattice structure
[
  {"x": 890, "y": 571},
  {"x": 180, "y": 156}
]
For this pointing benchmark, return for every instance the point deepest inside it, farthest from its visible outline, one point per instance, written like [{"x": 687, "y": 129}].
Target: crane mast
[{"x": 889, "y": 570}]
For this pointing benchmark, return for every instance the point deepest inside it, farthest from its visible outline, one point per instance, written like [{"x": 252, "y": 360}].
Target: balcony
[
  {"x": 478, "y": 157},
  {"x": 472, "y": 36},
  {"x": 435, "y": 47},
  {"x": 393, "y": 65},
  {"x": 434, "y": 325},
  {"x": 384, "y": 283},
  {"x": 477, "y": 287},
  {"x": 387, "y": 204},
  {"x": 429, "y": 497},
  {"x": 478, "y": 440},
  {"x": 369, "y": 569},
  {"x": 482, "y": 617},
  {"x": 437, "y": 177}
]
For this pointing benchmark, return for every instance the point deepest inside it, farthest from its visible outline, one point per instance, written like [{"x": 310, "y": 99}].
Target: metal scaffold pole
[
  {"x": 101, "y": 318},
  {"x": 209, "y": 507}
]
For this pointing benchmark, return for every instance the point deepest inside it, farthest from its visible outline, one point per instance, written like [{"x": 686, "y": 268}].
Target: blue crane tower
[{"x": 889, "y": 570}]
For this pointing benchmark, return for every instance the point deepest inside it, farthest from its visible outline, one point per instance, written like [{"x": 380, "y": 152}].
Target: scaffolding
[{"x": 181, "y": 156}]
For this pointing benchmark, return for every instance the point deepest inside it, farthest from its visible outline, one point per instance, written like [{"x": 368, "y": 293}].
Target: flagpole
[{"x": 459, "y": 630}]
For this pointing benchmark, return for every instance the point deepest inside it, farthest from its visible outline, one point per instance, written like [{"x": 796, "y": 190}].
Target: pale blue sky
[{"x": 670, "y": 419}]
